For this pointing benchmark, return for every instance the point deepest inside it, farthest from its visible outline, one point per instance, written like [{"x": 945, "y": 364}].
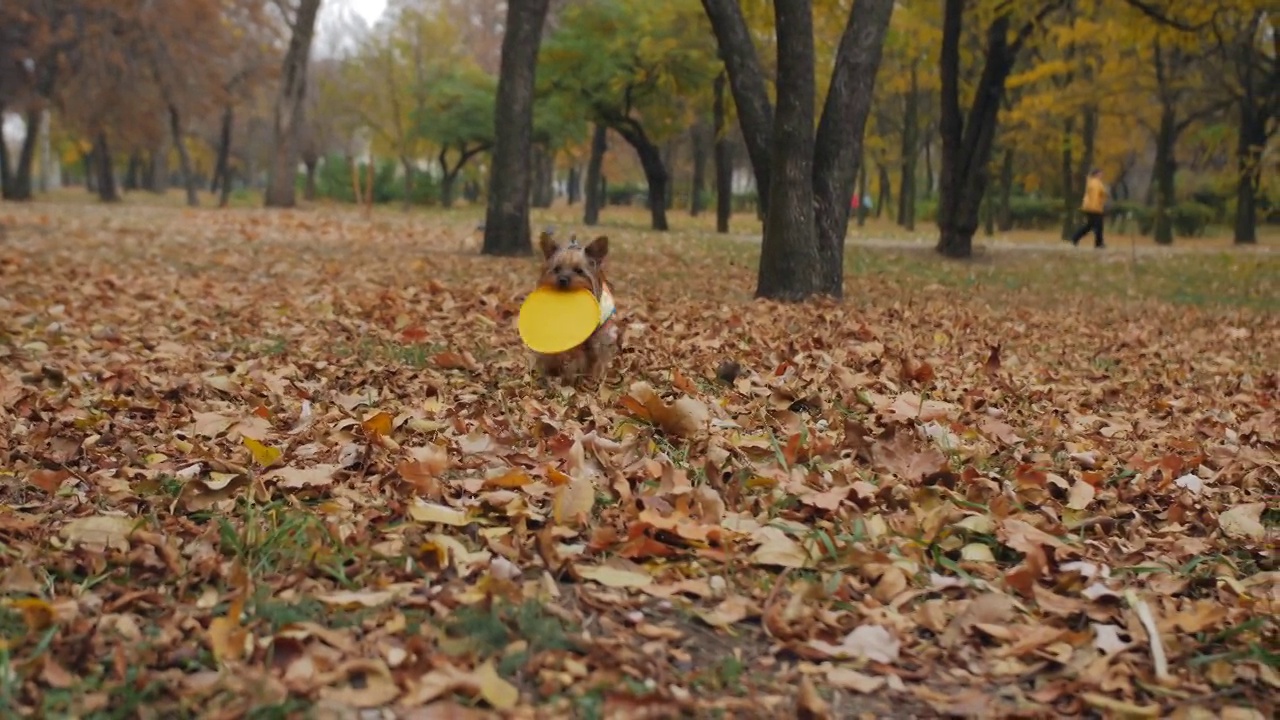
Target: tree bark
[
  {"x": 655, "y": 171},
  {"x": 573, "y": 185},
  {"x": 886, "y": 191},
  {"x": 791, "y": 267},
  {"x": 747, "y": 84},
  {"x": 1163, "y": 179},
  {"x": 1249, "y": 146},
  {"x": 133, "y": 174},
  {"x": 223, "y": 164},
  {"x": 838, "y": 145},
  {"x": 506, "y": 227},
  {"x": 967, "y": 142},
  {"x": 406, "y": 167},
  {"x": 1067, "y": 174},
  {"x": 543, "y": 177},
  {"x": 701, "y": 147},
  {"x": 595, "y": 184},
  {"x": 105, "y": 172},
  {"x": 290, "y": 110},
  {"x": 723, "y": 152},
  {"x": 910, "y": 142},
  {"x": 1004, "y": 217},
  {"x": 6, "y": 175},
  {"x": 184, "y": 158},
  {"x": 20, "y": 184}
]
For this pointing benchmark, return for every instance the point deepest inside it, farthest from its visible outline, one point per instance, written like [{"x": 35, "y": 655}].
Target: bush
[
  {"x": 333, "y": 182},
  {"x": 627, "y": 194},
  {"x": 1033, "y": 213},
  {"x": 1190, "y": 219}
]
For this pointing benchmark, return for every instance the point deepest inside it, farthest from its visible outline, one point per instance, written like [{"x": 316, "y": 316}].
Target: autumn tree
[
  {"x": 457, "y": 118},
  {"x": 807, "y": 214},
  {"x": 289, "y": 115},
  {"x": 627, "y": 63},
  {"x": 506, "y": 229},
  {"x": 1242, "y": 30}
]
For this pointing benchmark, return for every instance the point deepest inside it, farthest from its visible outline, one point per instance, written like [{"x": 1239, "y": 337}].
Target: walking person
[{"x": 1093, "y": 205}]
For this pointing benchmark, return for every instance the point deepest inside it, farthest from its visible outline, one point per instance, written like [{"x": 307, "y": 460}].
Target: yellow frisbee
[{"x": 553, "y": 321}]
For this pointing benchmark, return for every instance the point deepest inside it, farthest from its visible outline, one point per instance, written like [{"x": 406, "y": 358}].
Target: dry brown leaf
[{"x": 1244, "y": 521}]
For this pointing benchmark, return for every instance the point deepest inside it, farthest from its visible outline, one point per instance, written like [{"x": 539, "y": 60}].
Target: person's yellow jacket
[{"x": 1095, "y": 196}]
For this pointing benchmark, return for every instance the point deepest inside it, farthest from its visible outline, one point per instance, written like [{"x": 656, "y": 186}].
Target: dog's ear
[
  {"x": 547, "y": 245},
  {"x": 598, "y": 249}
]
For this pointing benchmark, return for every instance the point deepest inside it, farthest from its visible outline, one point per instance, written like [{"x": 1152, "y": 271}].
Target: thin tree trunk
[
  {"x": 862, "y": 193},
  {"x": 595, "y": 183},
  {"x": 158, "y": 173},
  {"x": 747, "y": 84},
  {"x": 573, "y": 186},
  {"x": 311, "y": 163},
  {"x": 886, "y": 191},
  {"x": 910, "y": 139},
  {"x": 1004, "y": 219},
  {"x": 506, "y": 228},
  {"x": 655, "y": 171},
  {"x": 406, "y": 166},
  {"x": 701, "y": 150},
  {"x": 133, "y": 175},
  {"x": 184, "y": 158},
  {"x": 669, "y": 162},
  {"x": 929, "y": 180},
  {"x": 1067, "y": 173},
  {"x": 1249, "y": 146},
  {"x": 723, "y": 152},
  {"x": 543, "y": 177},
  {"x": 791, "y": 267},
  {"x": 290, "y": 110},
  {"x": 106, "y": 175},
  {"x": 20, "y": 184},
  {"x": 222, "y": 166},
  {"x": 1164, "y": 178}
]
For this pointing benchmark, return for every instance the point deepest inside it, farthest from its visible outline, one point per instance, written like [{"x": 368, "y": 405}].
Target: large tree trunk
[
  {"x": 910, "y": 141},
  {"x": 595, "y": 184},
  {"x": 506, "y": 227},
  {"x": 104, "y": 170},
  {"x": 668, "y": 156},
  {"x": 747, "y": 84},
  {"x": 184, "y": 158},
  {"x": 791, "y": 267},
  {"x": 1249, "y": 146},
  {"x": 967, "y": 142},
  {"x": 290, "y": 110},
  {"x": 19, "y": 186},
  {"x": 6, "y": 175},
  {"x": 701, "y": 150},
  {"x": 839, "y": 140},
  {"x": 723, "y": 158}
]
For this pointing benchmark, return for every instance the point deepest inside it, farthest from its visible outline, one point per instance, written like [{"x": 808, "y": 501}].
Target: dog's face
[{"x": 571, "y": 266}]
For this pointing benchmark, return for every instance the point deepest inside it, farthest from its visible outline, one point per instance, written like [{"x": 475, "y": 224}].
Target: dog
[{"x": 569, "y": 267}]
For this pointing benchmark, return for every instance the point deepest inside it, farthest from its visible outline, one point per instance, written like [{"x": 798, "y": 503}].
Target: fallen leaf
[
  {"x": 265, "y": 456},
  {"x": 297, "y": 478},
  {"x": 1244, "y": 521},
  {"x": 849, "y": 679},
  {"x": 427, "y": 512},
  {"x": 99, "y": 531},
  {"x": 778, "y": 549},
  {"x": 871, "y": 642},
  {"x": 615, "y": 576}
]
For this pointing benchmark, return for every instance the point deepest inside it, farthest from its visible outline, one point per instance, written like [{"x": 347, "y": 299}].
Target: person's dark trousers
[{"x": 1092, "y": 221}]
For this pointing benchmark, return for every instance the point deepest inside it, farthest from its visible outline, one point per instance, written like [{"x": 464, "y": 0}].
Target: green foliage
[
  {"x": 458, "y": 110},
  {"x": 625, "y": 60},
  {"x": 1190, "y": 219},
  {"x": 1034, "y": 213}
]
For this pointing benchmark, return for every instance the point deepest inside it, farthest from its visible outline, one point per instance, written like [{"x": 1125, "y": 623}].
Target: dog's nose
[{"x": 563, "y": 282}]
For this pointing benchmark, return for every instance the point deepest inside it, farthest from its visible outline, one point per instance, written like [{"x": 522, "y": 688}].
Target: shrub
[
  {"x": 1034, "y": 213},
  {"x": 1190, "y": 219}
]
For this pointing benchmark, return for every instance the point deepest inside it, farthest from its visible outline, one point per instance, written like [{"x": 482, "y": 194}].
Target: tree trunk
[
  {"x": 184, "y": 158},
  {"x": 20, "y": 183},
  {"x": 929, "y": 179},
  {"x": 406, "y": 167},
  {"x": 669, "y": 162},
  {"x": 1163, "y": 179},
  {"x": 838, "y": 145},
  {"x": 655, "y": 171},
  {"x": 886, "y": 191},
  {"x": 106, "y": 175},
  {"x": 133, "y": 174},
  {"x": 723, "y": 152},
  {"x": 573, "y": 185},
  {"x": 910, "y": 140},
  {"x": 48, "y": 164},
  {"x": 1004, "y": 217},
  {"x": 1088, "y": 141},
  {"x": 223, "y": 163},
  {"x": 1249, "y": 146},
  {"x": 309, "y": 190},
  {"x": 747, "y": 84},
  {"x": 6, "y": 175},
  {"x": 290, "y": 110},
  {"x": 791, "y": 267},
  {"x": 862, "y": 193},
  {"x": 506, "y": 227},
  {"x": 701, "y": 148},
  {"x": 90, "y": 162},
  {"x": 1067, "y": 174},
  {"x": 595, "y": 184},
  {"x": 543, "y": 177},
  {"x": 967, "y": 142}
]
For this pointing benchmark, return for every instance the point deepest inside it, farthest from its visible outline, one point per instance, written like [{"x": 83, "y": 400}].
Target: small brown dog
[{"x": 571, "y": 267}]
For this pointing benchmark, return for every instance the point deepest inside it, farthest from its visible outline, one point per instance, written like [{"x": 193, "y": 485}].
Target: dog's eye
[
  {"x": 557, "y": 270},
  {"x": 580, "y": 271}
]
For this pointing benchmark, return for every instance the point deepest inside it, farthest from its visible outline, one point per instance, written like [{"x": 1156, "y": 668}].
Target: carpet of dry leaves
[{"x": 254, "y": 464}]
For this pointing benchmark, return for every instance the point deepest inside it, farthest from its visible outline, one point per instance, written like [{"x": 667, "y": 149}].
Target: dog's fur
[{"x": 569, "y": 267}]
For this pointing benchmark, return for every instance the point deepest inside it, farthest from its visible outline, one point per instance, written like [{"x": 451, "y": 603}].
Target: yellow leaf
[
  {"x": 573, "y": 501},
  {"x": 378, "y": 423},
  {"x": 615, "y": 576},
  {"x": 427, "y": 512},
  {"x": 496, "y": 691},
  {"x": 264, "y": 455},
  {"x": 103, "y": 531}
]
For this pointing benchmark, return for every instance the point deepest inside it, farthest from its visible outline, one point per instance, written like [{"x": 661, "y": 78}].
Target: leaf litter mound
[{"x": 284, "y": 461}]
